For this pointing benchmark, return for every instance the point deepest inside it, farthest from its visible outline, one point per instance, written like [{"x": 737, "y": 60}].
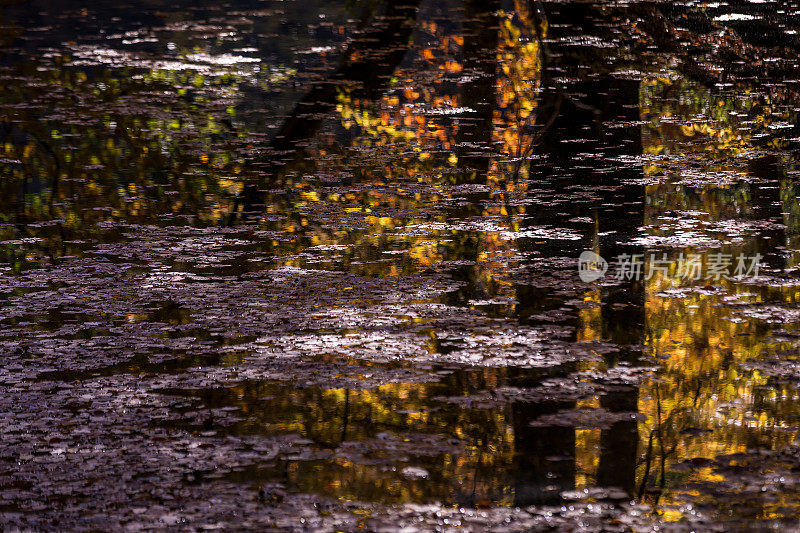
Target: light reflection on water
[{"x": 421, "y": 231}]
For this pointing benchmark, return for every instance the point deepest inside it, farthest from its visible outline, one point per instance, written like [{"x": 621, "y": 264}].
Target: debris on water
[
  {"x": 413, "y": 472},
  {"x": 315, "y": 266}
]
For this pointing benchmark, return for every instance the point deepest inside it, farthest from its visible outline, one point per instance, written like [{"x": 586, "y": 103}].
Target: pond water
[{"x": 314, "y": 265}]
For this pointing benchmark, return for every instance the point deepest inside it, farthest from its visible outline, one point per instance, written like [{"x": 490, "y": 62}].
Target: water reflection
[{"x": 363, "y": 233}]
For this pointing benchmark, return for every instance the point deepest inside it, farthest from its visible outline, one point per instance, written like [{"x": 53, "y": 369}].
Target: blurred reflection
[{"x": 488, "y": 143}]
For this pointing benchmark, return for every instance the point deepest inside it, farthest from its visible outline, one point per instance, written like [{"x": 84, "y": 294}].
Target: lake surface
[{"x": 314, "y": 265}]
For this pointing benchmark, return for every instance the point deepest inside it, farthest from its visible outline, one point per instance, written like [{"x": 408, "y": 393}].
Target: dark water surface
[{"x": 313, "y": 265}]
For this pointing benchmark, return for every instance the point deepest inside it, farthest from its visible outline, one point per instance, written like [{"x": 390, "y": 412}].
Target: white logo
[{"x": 591, "y": 266}]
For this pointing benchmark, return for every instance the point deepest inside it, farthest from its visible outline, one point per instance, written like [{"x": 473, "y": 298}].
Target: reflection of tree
[
  {"x": 545, "y": 456},
  {"x": 586, "y": 132},
  {"x": 572, "y": 132},
  {"x": 366, "y": 65},
  {"x": 337, "y": 419},
  {"x": 708, "y": 403},
  {"x": 478, "y": 93},
  {"x": 109, "y": 165},
  {"x": 730, "y": 49}
]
